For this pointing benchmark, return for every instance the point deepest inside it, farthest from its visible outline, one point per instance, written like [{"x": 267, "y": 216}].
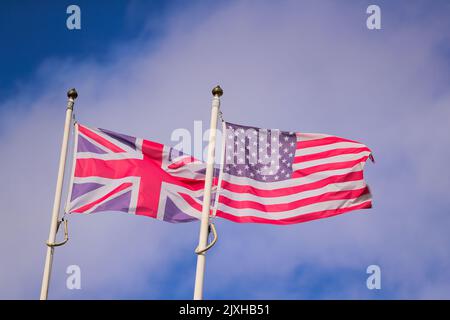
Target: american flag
[
  {"x": 277, "y": 177},
  {"x": 117, "y": 172}
]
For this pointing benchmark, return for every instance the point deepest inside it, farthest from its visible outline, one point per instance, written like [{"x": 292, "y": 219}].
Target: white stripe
[
  {"x": 333, "y": 187},
  {"x": 244, "y": 181},
  {"x": 316, "y": 207},
  {"x": 329, "y": 160},
  {"x": 328, "y": 147}
]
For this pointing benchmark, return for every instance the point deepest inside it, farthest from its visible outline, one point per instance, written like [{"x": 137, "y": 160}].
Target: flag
[
  {"x": 117, "y": 172},
  {"x": 277, "y": 177}
]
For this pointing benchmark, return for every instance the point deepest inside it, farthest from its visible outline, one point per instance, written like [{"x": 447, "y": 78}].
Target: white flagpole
[
  {"x": 203, "y": 238},
  {"x": 72, "y": 95}
]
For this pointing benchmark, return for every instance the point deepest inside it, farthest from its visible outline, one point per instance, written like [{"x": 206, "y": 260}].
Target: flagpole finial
[
  {"x": 72, "y": 94},
  {"x": 217, "y": 91}
]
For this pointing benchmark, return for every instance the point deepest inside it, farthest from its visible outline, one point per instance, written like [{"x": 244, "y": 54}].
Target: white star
[
  {"x": 239, "y": 172},
  {"x": 276, "y": 177},
  {"x": 287, "y": 175},
  {"x": 285, "y": 150},
  {"x": 264, "y": 178},
  {"x": 286, "y": 138},
  {"x": 292, "y": 144},
  {"x": 290, "y": 155}
]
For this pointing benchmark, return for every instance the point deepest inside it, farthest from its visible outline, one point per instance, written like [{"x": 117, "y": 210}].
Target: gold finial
[
  {"x": 72, "y": 93},
  {"x": 217, "y": 91}
]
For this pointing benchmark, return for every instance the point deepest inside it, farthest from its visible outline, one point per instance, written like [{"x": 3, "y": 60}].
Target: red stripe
[
  {"x": 87, "y": 132},
  {"x": 181, "y": 163},
  {"x": 88, "y": 206},
  {"x": 352, "y": 176},
  {"x": 296, "y": 219},
  {"x": 321, "y": 142},
  {"x": 328, "y": 196},
  {"x": 112, "y": 169},
  {"x": 329, "y": 153},
  {"x": 192, "y": 202},
  {"x": 327, "y": 166}
]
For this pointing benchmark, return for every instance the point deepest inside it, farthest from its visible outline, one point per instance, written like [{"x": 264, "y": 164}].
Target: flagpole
[
  {"x": 204, "y": 225},
  {"x": 72, "y": 95}
]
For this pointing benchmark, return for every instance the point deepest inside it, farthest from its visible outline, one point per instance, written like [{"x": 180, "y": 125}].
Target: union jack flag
[{"x": 117, "y": 172}]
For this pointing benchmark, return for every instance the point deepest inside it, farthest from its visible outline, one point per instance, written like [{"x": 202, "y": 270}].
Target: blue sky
[
  {"x": 35, "y": 31},
  {"x": 147, "y": 67}
]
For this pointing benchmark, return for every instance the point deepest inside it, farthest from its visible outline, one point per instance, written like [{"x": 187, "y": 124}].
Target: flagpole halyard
[
  {"x": 217, "y": 92},
  {"x": 71, "y": 95}
]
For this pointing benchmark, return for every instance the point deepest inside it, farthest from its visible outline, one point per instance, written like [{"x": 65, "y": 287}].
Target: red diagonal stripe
[
  {"x": 88, "y": 206},
  {"x": 91, "y": 134}
]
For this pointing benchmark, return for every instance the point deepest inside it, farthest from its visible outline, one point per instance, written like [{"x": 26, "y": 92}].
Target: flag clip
[
  {"x": 212, "y": 229},
  {"x": 66, "y": 234}
]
